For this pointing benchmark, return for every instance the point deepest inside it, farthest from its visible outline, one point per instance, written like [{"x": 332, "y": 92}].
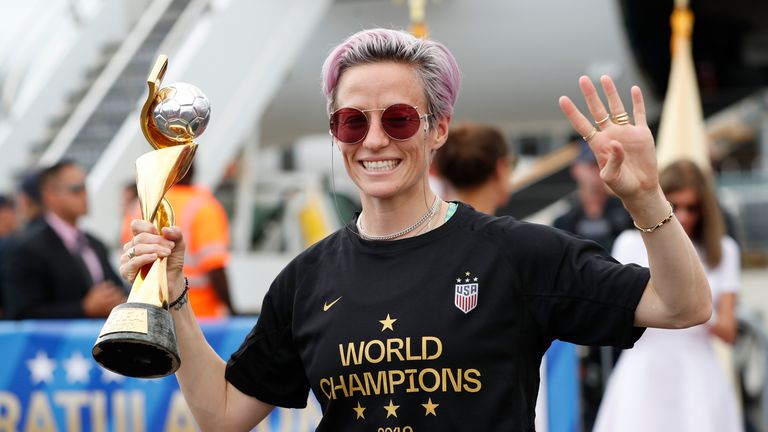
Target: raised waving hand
[{"x": 623, "y": 144}]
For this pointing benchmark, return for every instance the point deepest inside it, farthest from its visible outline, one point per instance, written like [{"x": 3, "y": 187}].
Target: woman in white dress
[{"x": 671, "y": 380}]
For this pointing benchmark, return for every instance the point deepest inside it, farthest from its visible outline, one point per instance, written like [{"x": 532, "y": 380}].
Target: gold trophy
[{"x": 138, "y": 339}]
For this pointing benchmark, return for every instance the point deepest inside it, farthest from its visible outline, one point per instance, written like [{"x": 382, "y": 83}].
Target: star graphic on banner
[
  {"x": 359, "y": 410},
  {"x": 107, "y": 376},
  {"x": 77, "y": 368},
  {"x": 466, "y": 280},
  {"x": 387, "y": 323},
  {"x": 391, "y": 409},
  {"x": 458, "y": 280},
  {"x": 430, "y": 407},
  {"x": 475, "y": 279},
  {"x": 41, "y": 368},
  {"x": 467, "y": 274}
]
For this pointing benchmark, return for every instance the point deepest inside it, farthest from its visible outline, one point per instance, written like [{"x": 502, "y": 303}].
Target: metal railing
[
  {"x": 72, "y": 52},
  {"x": 116, "y": 92},
  {"x": 750, "y": 358}
]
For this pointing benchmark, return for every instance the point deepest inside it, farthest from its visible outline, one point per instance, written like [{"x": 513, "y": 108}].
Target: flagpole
[{"x": 682, "y": 133}]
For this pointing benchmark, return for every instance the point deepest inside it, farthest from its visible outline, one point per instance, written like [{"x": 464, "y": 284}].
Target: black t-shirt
[{"x": 440, "y": 332}]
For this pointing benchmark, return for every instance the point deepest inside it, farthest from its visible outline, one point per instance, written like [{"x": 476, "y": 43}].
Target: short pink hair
[{"x": 434, "y": 64}]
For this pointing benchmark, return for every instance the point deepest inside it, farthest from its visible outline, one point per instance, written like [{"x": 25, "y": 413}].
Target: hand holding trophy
[{"x": 138, "y": 338}]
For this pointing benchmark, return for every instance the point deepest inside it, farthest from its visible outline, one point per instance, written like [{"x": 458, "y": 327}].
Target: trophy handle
[{"x": 156, "y": 139}]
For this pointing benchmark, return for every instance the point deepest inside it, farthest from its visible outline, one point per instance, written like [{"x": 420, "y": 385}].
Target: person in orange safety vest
[{"x": 204, "y": 223}]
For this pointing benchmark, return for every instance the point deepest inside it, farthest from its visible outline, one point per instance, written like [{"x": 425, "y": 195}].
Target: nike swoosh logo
[{"x": 327, "y": 305}]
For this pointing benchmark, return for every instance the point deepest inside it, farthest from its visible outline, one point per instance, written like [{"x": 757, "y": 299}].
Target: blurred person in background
[
  {"x": 8, "y": 219},
  {"x": 28, "y": 212},
  {"x": 475, "y": 164},
  {"x": 56, "y": 270},
  {"x": 29, "y": 203},
  {"x": 205, "y": 225},
  {"x": 129, "y": 202},
  {"x": 481, "y": 297},
  {"x": 8, "y": 224},
  {"x": 671, "y": 380},
  {"x": 594, "y": 214}
]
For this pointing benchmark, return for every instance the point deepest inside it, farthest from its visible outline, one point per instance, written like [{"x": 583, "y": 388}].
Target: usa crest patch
[{"x": 466, "y": 292}]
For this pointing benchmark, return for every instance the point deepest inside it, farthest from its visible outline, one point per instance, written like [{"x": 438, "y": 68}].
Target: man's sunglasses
[
  {"x": 75, "y": 188},
  {"x": 399, "y": 121}
]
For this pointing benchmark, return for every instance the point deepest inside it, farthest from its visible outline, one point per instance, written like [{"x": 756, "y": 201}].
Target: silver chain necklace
[{"x": 427, "y": 216}]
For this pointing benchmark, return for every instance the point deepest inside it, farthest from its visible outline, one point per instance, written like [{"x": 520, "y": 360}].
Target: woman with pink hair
[{"x": 425, "y": 315}]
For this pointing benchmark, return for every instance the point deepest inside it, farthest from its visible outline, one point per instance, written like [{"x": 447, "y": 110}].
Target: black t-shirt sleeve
[
  {"x": 580, "y": 294},
  {"x": 267, "y": 365}
]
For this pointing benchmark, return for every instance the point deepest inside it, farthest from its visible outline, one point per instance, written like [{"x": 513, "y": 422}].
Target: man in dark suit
[
  {"x": 56, "y": 270},
  {"x": 8, "y": 223}
]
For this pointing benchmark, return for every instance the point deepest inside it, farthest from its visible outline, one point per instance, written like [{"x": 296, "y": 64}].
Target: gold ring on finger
[
  {"x": 605, "y": 119},
  {"x": 590, "y": 135},
  {"x": 131, "y": 253},
  {"x": 620, "y": 119}
]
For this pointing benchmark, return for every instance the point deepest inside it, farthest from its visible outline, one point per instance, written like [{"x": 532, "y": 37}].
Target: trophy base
[{"x": 138, "y": 340}]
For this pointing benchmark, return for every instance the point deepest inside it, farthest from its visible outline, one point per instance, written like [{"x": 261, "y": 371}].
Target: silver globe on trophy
[{"x": 138, "y": 339}]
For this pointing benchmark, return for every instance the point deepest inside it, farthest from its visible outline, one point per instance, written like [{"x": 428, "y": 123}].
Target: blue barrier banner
[
  {"x": 50, "y": 382},
  {"x": 563, "y": 388}
]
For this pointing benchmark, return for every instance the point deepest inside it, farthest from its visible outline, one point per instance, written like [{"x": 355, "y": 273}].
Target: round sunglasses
[{"x": 399, "y": 121}]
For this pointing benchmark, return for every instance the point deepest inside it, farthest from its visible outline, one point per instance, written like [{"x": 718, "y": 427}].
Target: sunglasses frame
[
  {"x": 368, "y": 122},
  {"x": 75, "y": 188}
]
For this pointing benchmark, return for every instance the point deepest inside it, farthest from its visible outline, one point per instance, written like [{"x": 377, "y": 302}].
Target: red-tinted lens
[
  {"x": 349, "y": 125},
  {"x": 400, "y": 121}
]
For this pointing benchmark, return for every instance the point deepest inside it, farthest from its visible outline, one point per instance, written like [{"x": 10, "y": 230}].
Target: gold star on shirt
[
  {"x": 359, "y": 410},
  {"x": 387, "y": 323},
  {"x": 391, "y": 409},
  {"x": 467, "y": 273},
  {"x": 430, "y": 407}
]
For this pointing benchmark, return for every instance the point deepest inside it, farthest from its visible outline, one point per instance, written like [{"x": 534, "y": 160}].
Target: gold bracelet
[{"x": 658, "y": 225}]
